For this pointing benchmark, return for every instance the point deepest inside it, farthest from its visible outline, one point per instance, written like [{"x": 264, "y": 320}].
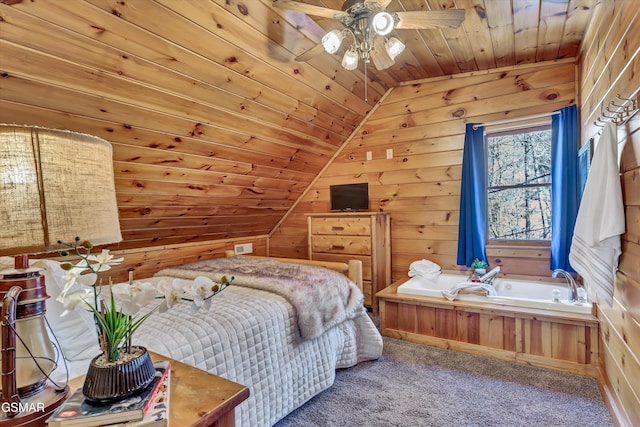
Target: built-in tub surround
[
  {"x": 512, "y": 292},
  {"x": 502, "y": 327}
]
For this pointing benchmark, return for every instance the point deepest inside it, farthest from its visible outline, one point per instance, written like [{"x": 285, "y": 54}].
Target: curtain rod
[{"x": 519, "y": 119}]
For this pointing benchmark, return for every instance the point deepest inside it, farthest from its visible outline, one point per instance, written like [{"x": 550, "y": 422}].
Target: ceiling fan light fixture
[
  {"x": 350, "y": 60},
  {"x": 394, "y": 47},
  {"x": 332, "y": 41},
  {"x": 382, "y": 23}
]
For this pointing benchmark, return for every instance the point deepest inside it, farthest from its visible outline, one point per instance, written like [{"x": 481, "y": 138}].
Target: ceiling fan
[{"x": 369, "y": 23}]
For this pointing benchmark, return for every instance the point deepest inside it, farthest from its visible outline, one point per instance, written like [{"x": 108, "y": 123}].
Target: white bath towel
[
  {"x": 472, "y": 287},
  {"x": 595, "y": 247},
  {"x": 424, "y": 268}
]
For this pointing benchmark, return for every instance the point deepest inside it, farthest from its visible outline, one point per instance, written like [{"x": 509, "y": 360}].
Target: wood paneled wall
[
  {"x": 424, "y": 123},
  {"x": 608, "y": 66},
  {"x": 216, "y": 131},
  {"x": 145, "y": 262}
]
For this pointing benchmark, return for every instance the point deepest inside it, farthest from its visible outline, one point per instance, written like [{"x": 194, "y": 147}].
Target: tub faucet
[
  {"x": 573, "y": 286},
  {"x": 488, "y": 277}
]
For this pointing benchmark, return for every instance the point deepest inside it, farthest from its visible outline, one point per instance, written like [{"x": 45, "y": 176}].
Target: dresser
[{"x": 355, "y": 235}]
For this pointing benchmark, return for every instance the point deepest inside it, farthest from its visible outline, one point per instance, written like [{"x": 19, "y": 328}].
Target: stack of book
[{"x": 150, "y": 408}]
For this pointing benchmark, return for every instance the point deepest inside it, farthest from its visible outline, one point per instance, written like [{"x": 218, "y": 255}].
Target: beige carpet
[{"x": 416, "y": 385}]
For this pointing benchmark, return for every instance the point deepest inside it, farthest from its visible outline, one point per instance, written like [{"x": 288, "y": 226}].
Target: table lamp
[{"x": 54, "y": 185}]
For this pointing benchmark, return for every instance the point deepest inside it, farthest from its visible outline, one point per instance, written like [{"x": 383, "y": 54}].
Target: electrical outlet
[
  {"x": 245, "y": 248},
  {"x": 389, "y": 153},
  {"x": 369, "y": 155}
]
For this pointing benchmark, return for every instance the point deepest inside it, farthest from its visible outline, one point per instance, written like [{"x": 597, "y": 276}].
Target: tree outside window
[{"x": 519, "y": 184}]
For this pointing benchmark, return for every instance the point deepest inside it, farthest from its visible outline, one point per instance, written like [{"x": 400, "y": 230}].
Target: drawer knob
[
  {"x": 337, "y": 228},
  {"x": 337, "y": 246}
]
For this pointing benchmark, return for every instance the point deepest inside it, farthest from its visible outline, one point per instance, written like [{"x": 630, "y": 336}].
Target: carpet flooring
[{"x": 418, "y": 385}]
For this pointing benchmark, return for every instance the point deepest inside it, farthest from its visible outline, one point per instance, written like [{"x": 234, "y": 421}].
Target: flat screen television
[{"x": 349, "y": 197}]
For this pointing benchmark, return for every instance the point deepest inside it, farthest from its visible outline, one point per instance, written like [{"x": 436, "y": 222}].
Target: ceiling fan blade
[
  {"x": 447, "y": 18},
  {"x": 317, "y": 49},
  {"x": 379, "y": 55},
  {"x": 309, "y": 9}
]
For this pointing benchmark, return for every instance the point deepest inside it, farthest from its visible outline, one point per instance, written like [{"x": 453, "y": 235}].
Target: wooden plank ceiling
[{"x": 216, "y": 129}]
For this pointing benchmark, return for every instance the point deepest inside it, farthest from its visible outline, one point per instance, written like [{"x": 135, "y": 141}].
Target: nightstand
[{"x": 198, "y": 398}]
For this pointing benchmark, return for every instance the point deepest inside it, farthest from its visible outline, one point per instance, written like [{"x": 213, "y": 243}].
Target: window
[{"x": 519, "y": 184}]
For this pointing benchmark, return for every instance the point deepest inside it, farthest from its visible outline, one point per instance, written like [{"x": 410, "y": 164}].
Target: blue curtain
[
  {"x": 472, "y": 235},
  {"x": 565, "y": 192}
]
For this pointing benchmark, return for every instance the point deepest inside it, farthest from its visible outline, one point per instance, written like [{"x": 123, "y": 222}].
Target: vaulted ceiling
[
  {"x": 495, "y": 33},
  {"x": 216, "y": 129}
]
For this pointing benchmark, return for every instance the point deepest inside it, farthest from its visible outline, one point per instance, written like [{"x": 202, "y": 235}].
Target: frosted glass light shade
[
  {"x": 32, "y": 329},
  {"x": 55, "y": 185},
  {"x": 382, "y": 23},
  {"x": 394, "y": 47},
  {"x": 350, "y": 60},
  {"x": 332, "y": 41}
]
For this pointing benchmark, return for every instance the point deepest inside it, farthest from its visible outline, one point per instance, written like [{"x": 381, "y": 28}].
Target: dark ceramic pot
[{"x": 106, "y": 383}]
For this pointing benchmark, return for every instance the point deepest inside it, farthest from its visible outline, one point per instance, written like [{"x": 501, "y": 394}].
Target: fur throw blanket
[{"x": 321, "y": 297}]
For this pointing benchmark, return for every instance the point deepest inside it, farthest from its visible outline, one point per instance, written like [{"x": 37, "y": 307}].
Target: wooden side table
[{"x": 198, "y": 398}]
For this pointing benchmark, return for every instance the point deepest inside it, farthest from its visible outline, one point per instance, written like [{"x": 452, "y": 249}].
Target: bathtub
[{"x": 511, "y": 292}]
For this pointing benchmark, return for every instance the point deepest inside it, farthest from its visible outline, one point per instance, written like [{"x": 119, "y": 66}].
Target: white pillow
[{"x": 76, "y": 332}]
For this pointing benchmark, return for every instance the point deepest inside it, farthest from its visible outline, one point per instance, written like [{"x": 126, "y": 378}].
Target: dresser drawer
[
  {"x": 341, "y": 226},
  {"x": 341, "y": 244}
]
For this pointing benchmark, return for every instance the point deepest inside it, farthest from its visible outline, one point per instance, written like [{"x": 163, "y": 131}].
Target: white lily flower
[
  {"x": 83, "y": 297},
  {"x": 127, "y": 298},
  {"x": 88, "y": 279},
  {"x": 103, "y": 261},
  {"x": 172, "y": 292},
  {"x": 143, "y": 293},
  {"x": 72, "y": 274},
  {"x": 70, "y": 278},
  {"x": 133, "y": 297},
  {"x": 200, "y": 288},
  {"x": 199, "y": 303},
  {"x": 162, "y": 285}
]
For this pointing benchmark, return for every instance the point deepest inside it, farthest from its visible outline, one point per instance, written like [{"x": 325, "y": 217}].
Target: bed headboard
[{"x": 352, "y": 269}]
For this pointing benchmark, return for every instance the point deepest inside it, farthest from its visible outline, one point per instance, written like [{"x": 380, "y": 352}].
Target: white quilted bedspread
[{"x": 249, "y": 336}]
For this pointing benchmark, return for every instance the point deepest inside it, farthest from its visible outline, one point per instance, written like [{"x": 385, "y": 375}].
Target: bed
[
  {"x": 275, "y": 342},
  {"x": 280, "y": 336}
]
